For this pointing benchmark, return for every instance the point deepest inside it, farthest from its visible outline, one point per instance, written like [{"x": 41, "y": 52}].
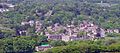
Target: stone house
[
  {"x": 24, "y": 23},
  {"x": 38, "y": 26},
  {"x": 55, "y": 37},
  {"x": 42, "y": 48},
  {"x": 116, "y": 30},
  {"x": 23, "y": 32},
  {"x": 73, "y": 38},
  {"x": 65, "y": 38},
  {"x": 112, "y": 30},
  {"x": 31, "y": 23}
]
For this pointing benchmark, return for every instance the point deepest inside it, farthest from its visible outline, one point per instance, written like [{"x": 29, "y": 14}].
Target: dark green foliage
[
  {"x": 85, "y": 47},
  {"x": 17, "y": 44},
  {"x": 24, "y": 44},
  {"x": 113, "y": 34},
  {"x": 57, "y": 43},
  {"x": 41, "y": 38}
]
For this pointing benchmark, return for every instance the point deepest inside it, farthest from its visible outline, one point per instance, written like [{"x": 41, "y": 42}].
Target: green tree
[{"x": 57, "y": 43}]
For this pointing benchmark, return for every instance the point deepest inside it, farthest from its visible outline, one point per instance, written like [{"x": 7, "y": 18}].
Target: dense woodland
[{"x": 64, "y": 12}]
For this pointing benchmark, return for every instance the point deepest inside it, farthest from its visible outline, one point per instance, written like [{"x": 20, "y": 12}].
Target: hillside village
[
  {"x": 84, "y": 31},
  {"x": 35, "y": 27}
]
